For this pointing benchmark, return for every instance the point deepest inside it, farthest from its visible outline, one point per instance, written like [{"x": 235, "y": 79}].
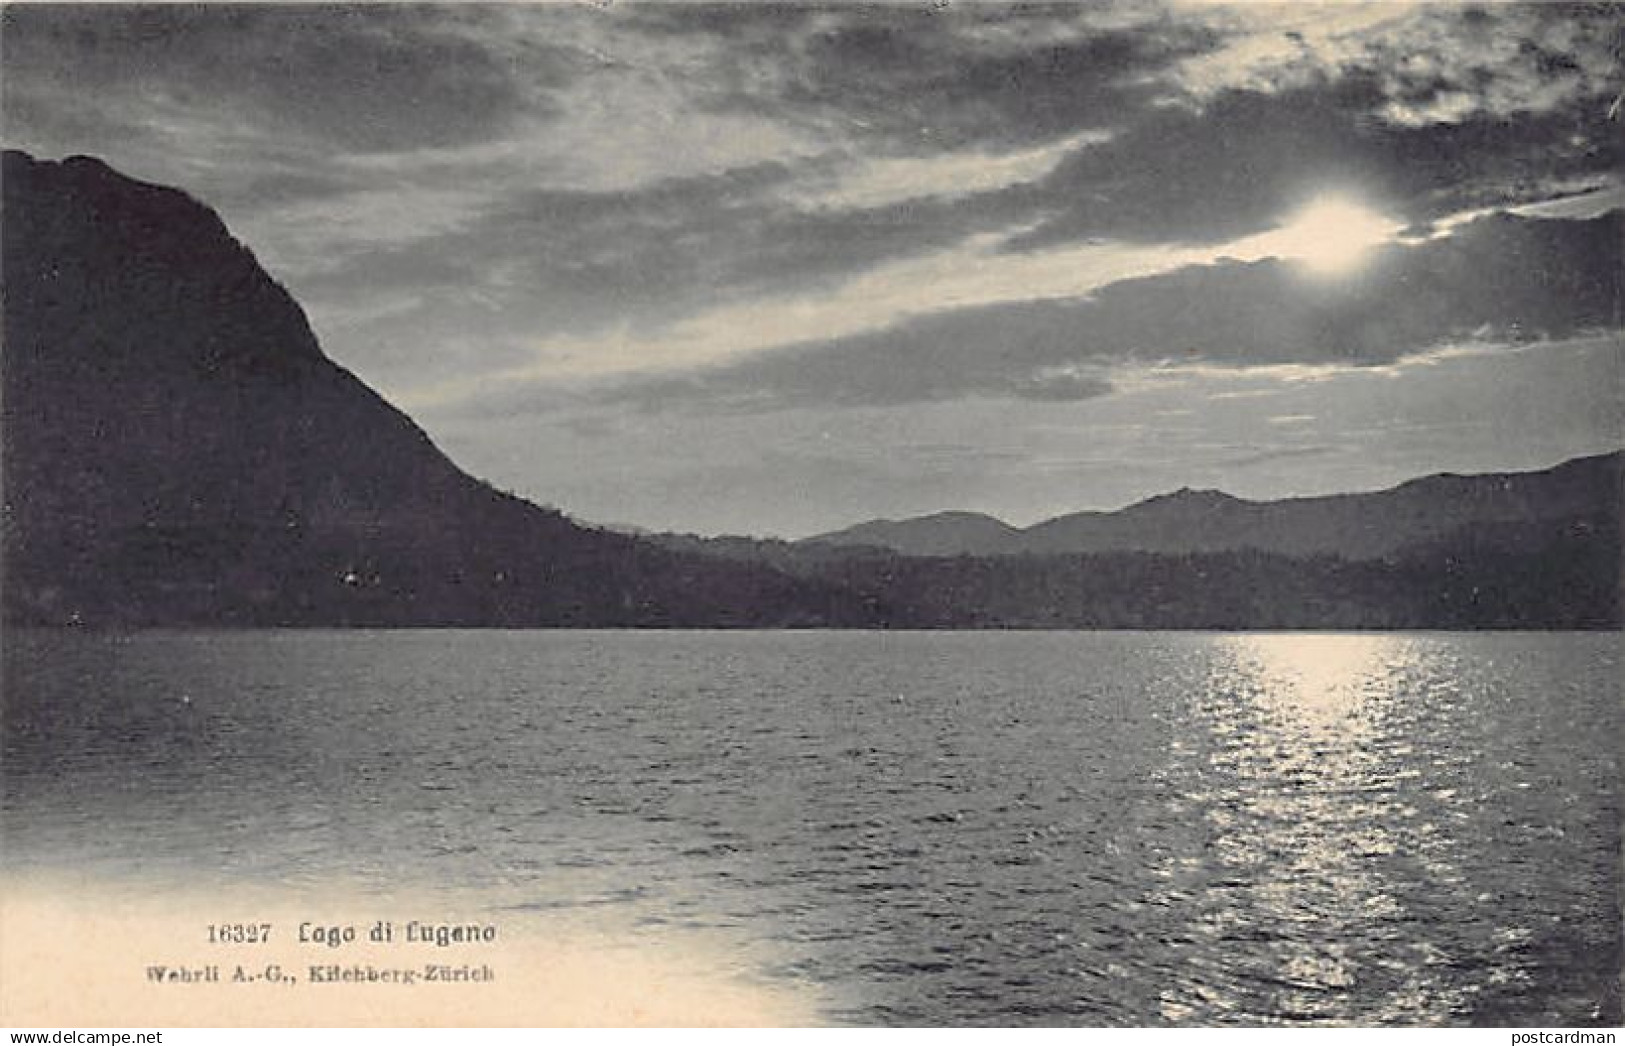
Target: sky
[{"x": 779, "y": 268}]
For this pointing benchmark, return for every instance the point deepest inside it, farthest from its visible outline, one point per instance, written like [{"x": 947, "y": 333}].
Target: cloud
[
  {"x": 869, "y": 183},
  {"x": 1503, "y": 278},
  {"x": 1210, "y": 121},
  {"x": 1245, "y": 158},
  {"x": 355, "y": 78},
  {"x": 724, "y": 235},
  {"x": 909, "y": 80},
  {"x": 1431, "y": 63},
  {"x": 683, "y": 266}
]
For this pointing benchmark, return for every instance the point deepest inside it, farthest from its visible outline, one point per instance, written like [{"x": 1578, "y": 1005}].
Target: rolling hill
[{"x": 1585, "y": 492}]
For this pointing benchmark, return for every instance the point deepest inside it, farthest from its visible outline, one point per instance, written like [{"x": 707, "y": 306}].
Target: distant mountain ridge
[
  {"x": 939, "y": 534},
  {"x": 1354, "y": 526}
]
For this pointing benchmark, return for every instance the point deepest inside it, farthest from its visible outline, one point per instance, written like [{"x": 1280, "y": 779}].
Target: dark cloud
[
  {"x": 952, "y": 97},
  {"x": 1247, "y": 158},
  {"x": 360, "y": 78},
  {"x": 645, "y": 255},
  {"x": 920, "y": 78},
  {"x": 682, "y": 240},
  {"x": 1501, "y": 279},
  {"x": 1029, "y": 351}
]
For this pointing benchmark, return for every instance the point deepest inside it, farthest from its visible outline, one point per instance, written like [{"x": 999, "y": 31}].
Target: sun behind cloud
[{"x": 1332, "y": 235}]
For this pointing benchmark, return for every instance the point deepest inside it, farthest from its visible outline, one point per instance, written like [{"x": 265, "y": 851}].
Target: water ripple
[{"x": 1046, "y": 829}]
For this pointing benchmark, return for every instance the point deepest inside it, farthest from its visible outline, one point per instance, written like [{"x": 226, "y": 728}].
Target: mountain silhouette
[
  {"x": 178, "y": 449},
  {"x": 940, "y": 534},
  {"x": 1585, "y": 492}
]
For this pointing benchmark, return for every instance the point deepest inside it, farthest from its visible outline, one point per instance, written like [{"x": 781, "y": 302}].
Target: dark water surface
[{"x": 932, "y": 828}]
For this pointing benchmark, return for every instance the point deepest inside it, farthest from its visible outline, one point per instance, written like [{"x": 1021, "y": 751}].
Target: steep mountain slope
[{"x": 177, "y": 448}]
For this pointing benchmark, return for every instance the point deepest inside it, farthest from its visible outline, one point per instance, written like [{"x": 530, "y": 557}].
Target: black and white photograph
[{"x": 927, "y": 514}]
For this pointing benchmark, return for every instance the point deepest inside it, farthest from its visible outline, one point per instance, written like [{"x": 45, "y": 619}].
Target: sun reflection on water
[
  {"x": 1304, "y": 785},
  {"x": 1321, "y": 682}
]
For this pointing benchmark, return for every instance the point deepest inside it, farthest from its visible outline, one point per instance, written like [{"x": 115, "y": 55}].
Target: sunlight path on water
[{"x": 1305, "y": 793}]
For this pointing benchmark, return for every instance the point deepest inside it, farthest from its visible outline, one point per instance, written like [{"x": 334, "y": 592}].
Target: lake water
[{"x": 927, "y": 828}]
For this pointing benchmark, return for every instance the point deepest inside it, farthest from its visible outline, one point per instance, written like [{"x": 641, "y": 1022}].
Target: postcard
[{"x": 940, "y": 514}]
